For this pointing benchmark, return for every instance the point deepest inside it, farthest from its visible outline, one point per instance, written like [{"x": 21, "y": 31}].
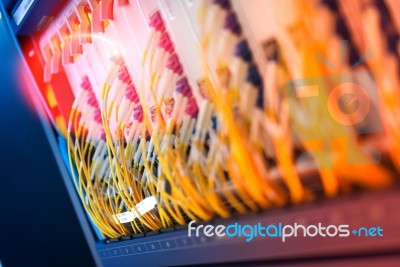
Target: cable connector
[
  {"x": 85, "y": 84},
  {"x": 92, "y": 101},
  {"x": 242, "y": 50},
  {"x": 192, "y": 108},
  {"x": 253, "y": 76},
  {"x": 138, "y": 113},
  {"x": 106, "y": 11},
  {"x": 174, "y": 65},
  {"x": 156, "y": 22},
  {"x": 231, "y": 23},
  {"x": 166, "y": 43},
  {"x": 182, "y": 87},
  {"x": 123, "y": 75},
  {"x": 97, "y": 117},
  {"x": 131, "y": 94}
]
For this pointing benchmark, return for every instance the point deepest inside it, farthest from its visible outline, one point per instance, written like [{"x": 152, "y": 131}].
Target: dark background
[{"x": 38, "y": 226}]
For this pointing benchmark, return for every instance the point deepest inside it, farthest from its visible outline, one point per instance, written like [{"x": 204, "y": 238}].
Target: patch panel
[{"x": 171, "y": 111}]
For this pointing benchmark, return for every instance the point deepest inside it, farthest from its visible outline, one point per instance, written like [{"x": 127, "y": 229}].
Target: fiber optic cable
[
  {"x": 117, "y": 151},
  {"x": 84, "y": 185},
  {"x": 230, "y": 23}
]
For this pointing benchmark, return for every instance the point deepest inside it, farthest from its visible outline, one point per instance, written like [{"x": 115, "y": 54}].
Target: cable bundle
[
  {"x": 160, "y": 152},
  {"x": 88, "y": 159},
  {"x": 278, "y": 113}
]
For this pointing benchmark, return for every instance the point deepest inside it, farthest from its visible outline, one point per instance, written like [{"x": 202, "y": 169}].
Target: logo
[
  {"x": 326, "y": 110},
  {"x": 280, "y": 230}
]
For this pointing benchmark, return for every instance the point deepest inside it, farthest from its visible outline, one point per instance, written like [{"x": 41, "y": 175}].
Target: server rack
[{"x": 172, "y": 246}]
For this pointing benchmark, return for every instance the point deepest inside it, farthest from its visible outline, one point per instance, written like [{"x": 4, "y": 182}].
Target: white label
[
  {"x": 124, "y": 217},
  {"x": 142, "y": 208},
  {"x": 146, "y": 205},
  {"x": 22, "y": 10}
]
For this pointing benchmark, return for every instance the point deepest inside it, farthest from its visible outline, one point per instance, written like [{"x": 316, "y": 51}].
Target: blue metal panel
[
  {"x": 39, "y": 13},
  {"x": 38, "y": 226},
  {"x": 176, "y": 248}
]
